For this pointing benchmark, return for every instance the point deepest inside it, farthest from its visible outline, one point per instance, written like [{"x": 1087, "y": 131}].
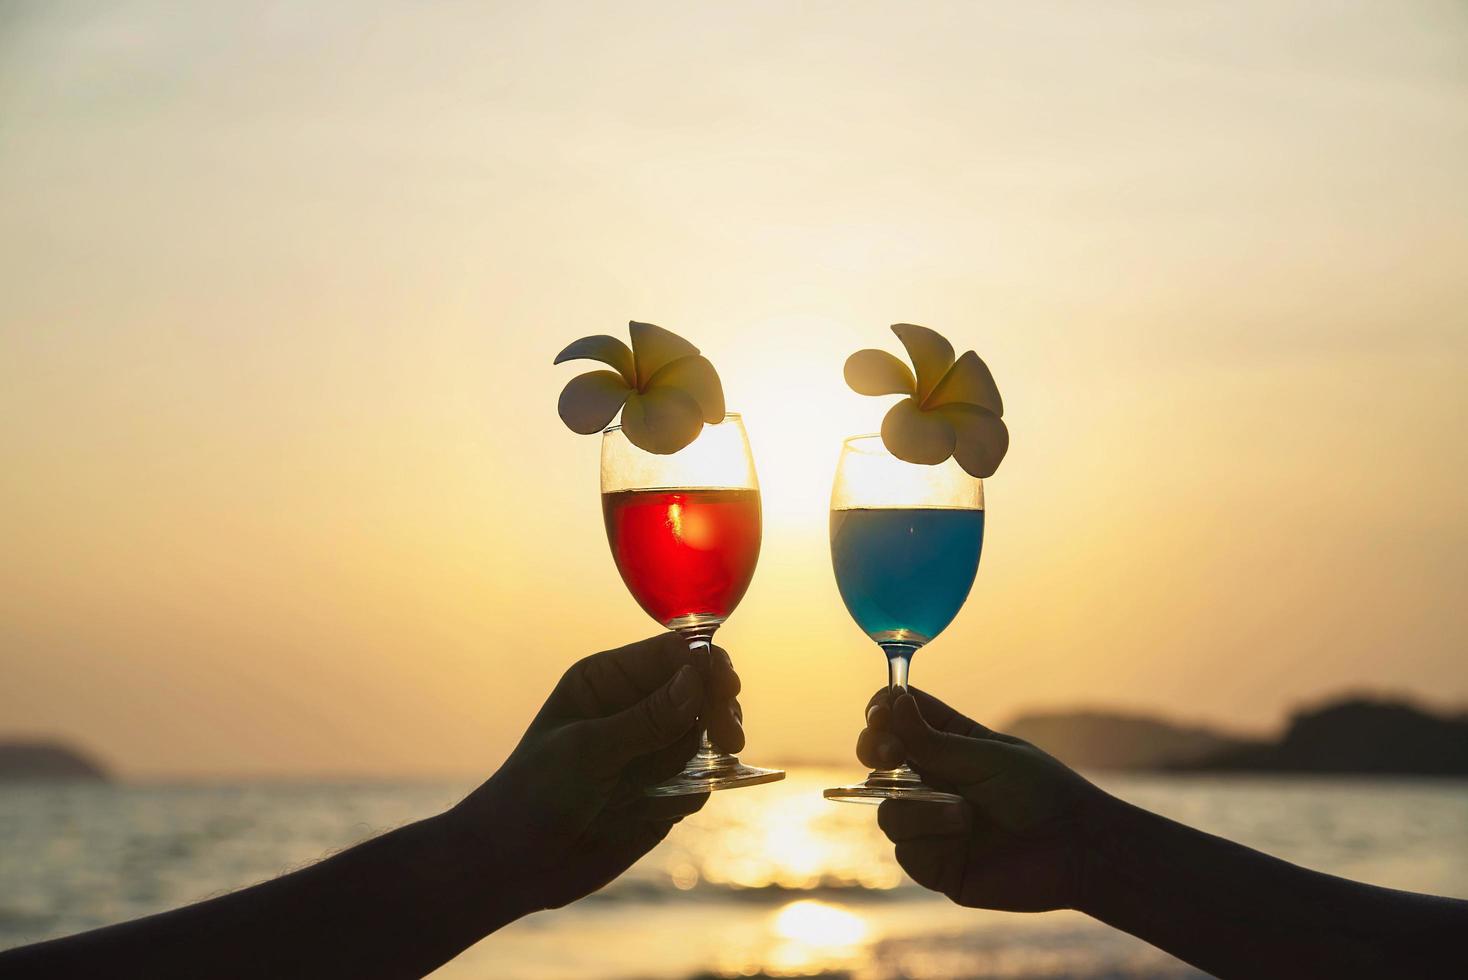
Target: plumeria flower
[
  {"x": 663, "y": 387},
  {"x": 952, "y": 409}
]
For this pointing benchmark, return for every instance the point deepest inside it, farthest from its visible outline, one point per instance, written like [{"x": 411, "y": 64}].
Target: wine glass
[
  {"x": 905, "y": 543},
  {"x": 685, "y": 534}
]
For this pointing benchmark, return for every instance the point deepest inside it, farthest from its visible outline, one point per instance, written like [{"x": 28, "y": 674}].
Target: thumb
[
  {"x": 953, "y": 758},
  {"x": 655, "y": 722}
]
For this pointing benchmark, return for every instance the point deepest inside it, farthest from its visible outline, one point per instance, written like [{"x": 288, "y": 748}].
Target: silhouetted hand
[
  {"x": 1032, "y": 835},
  {"x": 1015, "y": 843},
  {"x": 566, "y": 813},
  {"x": 562, "y": 817}
]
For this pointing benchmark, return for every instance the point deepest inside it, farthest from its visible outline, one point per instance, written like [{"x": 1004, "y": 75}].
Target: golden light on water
[
  {"x": 806, "y": 937},
  {"x": 819, "y": 924},
  {"x": 792, "y": 849},
  {"x": 791, "y": 838},
  {"x": 815, "y": 935}
]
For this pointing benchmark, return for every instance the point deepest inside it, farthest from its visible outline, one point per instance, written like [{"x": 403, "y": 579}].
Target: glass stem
[
  {"x": 899, "y": 660},
  {"x": 700, "y": 643}
]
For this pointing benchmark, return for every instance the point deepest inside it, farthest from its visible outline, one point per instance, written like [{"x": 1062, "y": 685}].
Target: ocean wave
[{"x": 655, "y": 892}]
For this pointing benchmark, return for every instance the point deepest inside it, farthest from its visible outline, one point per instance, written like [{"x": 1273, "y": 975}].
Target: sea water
[
  {"x": 905, "y": 572},
  {"x": 776, "y": 881}
]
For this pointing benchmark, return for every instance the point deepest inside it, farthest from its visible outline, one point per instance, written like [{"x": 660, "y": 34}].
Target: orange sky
[{"x": 282, "y": 487}]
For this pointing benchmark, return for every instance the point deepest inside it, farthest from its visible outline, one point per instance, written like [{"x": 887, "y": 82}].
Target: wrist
[
  {"x": 482, "y": 883},
  {"x": 1102, "y": 824}
]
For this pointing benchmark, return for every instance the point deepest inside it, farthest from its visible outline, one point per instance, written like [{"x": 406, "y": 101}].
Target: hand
[
  {"x": 566, "y": 813},
  {"x": 1015, "y": 843}
]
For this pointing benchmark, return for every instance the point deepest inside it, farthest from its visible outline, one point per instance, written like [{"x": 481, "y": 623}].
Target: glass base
[
  {"x": 890, "y": 784},
  {"x": 709, "y": 771}
]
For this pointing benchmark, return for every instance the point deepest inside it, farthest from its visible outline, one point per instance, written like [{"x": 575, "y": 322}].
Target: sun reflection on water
[
  {"x": 786, "y": 837},
  {"x": 802, "y": 938},
  {"x": 815, "y": 936},
  {"x": 819, "y": 924}
]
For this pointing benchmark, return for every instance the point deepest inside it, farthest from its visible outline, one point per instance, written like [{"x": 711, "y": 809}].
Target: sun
[{"x": 797, "y": 410}]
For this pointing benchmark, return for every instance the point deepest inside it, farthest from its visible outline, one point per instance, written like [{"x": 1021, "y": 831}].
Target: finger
[
  {"x": 655, "y": 722},
  {"x": 947, "y": 719},
  {"x": 613, "y": 680},
  {"x": 724, "y": 726},
  {"x": 883, "y": 697},
  {"x": 904, "y": 820},
  {"x": 933, "y": 862},
  {"x": 723, "y": 681},
  {"x": 663, "y": 764},
  {"x": 721, "y": 714},
  {"x": 670, "y": 809},
  {"x": 879, "y": 750},
  {"x": 955, "y": 758},
  {"x": 940, "y": 715}
]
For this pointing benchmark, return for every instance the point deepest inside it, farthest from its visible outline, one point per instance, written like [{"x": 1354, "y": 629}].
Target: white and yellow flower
[
  {"x": 952, "y": 406},
  {"x": 663, "y": 387}
]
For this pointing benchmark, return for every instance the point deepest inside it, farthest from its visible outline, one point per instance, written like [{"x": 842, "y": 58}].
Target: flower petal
[
  {"x": 916, "y": 436},
  {"x": 608, "y": 350},
  {"x": 876, "y": 372},
  {"x": 696, "y": 376},
  {"x": 968, "y": 382},
  {"x": 981, "y": 438},
  {"x": 662, "y": 420},
  {"x": 590, "y": 401},
  {"x": 931, "y": 354},
  {"x": 653, "y": 347}
]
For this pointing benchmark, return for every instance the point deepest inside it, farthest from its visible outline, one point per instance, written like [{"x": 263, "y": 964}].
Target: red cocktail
[
  {"x": 686, "y": 555},
  {"x": 685, "y": 532}
]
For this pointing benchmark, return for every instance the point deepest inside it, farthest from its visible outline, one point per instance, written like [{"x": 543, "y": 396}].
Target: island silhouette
[
  {"x": 1358, "y": 735},
  {"x": 26, "y": 759},
  {"x": 1351, "y": 733}
]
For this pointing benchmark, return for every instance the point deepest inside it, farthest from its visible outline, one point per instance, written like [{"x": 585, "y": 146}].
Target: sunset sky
[{"x": 282, "y": 485}]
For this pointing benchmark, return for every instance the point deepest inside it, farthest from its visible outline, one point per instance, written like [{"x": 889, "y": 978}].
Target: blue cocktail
[
  {"x": 904, "y": 572},
  {"x": 905, "y": 545}
]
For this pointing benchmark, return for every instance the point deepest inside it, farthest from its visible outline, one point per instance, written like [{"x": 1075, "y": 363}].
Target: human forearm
[
  {"x": 398, "y": 905},
  {"x": 1234, "y": 911}
]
